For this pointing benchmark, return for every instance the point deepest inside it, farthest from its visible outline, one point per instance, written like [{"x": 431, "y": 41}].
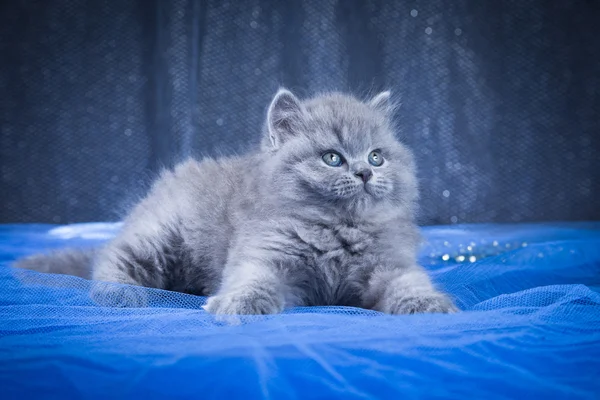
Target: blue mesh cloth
[{"x": 530, "y": 327}]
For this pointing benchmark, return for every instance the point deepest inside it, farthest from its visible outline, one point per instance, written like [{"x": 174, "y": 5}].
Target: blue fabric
[{"x": 530, "y": 327}]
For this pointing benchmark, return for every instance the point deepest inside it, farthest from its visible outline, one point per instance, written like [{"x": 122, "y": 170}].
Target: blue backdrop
[{"x": 500, "y": 98}]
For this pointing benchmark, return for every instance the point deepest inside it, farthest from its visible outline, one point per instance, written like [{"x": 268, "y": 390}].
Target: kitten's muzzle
[{"x": 365, "y": 174}]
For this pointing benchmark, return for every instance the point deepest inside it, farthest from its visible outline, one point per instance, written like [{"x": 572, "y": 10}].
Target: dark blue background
[{"x": 500, "y": 99}]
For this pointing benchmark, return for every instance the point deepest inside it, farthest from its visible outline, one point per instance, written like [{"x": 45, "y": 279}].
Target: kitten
[{"x": 323, "y": 214}]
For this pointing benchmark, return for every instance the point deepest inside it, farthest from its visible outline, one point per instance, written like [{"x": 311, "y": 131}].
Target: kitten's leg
[
  {"x": 131, "y": 260},
  {"x": 405, "y": 291},
  {"x": 248, "y": 289}
]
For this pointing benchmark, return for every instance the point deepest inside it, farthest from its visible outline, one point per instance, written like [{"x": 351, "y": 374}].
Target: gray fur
[
  {"x": 279, "y": 228},
  {"x": 75, "y": 262}
]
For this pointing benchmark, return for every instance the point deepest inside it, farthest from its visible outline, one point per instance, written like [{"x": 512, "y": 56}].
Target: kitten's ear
[
  {"x": 284, "y": 117},
  {"x": 382, "y": 102}
]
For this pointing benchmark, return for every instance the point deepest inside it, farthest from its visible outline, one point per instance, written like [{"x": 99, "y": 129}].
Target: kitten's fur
[{"x": 279, "y": 228}]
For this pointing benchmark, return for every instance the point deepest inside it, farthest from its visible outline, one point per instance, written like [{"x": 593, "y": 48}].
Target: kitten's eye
[
  {"x": 333, "y": 159},
  {"x": 375, "y": 158}
]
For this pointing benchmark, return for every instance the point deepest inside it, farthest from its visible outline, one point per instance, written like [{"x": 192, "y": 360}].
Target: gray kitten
[{"x": 323, "y": 214}]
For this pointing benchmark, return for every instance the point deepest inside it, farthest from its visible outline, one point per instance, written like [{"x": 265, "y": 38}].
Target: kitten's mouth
[
  {"x": 372, "y": 190},
  {"x": 368, "y": 189}
]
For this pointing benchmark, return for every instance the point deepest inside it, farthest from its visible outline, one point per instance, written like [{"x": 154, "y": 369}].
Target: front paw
[
  {"x": 108, "y": 294},
  {"x": 419, "y": 303},
  {"x": 245, "y": 303}
]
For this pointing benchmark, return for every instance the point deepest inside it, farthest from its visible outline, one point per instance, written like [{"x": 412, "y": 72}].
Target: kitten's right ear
[
  {"x": 284, "y": 117},
  {"x": 382, "y": 102}
]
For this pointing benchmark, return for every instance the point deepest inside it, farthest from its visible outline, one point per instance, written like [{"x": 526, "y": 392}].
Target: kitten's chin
[{"x": 360, "y": 203}]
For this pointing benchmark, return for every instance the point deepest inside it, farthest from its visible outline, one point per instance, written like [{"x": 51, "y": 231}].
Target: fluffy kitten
[{"x": 323, "y": 214}]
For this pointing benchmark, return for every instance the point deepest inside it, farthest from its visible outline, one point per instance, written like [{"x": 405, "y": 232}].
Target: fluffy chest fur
[{"x": 328, "y": 264}]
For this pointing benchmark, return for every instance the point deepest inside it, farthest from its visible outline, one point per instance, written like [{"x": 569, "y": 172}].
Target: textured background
[{"x": 500, "y": 98}]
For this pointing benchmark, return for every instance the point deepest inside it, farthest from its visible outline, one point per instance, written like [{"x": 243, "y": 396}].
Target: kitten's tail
[{"x": 75, "y": 262}]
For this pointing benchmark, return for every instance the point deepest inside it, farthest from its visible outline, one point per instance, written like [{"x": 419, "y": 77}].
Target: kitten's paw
[
  {"x": 245, "y": 303},
  {"x": 419, "y": 303},
  {"x": 108, "y": 294}
]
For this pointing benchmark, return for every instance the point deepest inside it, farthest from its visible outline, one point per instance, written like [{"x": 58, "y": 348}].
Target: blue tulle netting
[{"x": 530, "y": 326}]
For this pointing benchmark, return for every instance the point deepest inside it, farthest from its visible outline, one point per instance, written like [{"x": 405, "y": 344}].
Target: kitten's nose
[{"x": 364, "y": 174}]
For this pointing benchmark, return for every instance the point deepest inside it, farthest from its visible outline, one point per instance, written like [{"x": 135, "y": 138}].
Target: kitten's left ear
[
  {"x": 382, "y": 102},
  {"x": 284, "y": 117}
]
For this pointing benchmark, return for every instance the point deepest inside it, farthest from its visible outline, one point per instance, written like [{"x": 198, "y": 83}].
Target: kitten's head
[{"x": 337, "y": 151}]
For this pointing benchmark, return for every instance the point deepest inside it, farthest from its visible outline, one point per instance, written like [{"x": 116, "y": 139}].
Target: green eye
[
  {"x": 333, "y": 159},
  {"x": 375, "y": 158}
]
